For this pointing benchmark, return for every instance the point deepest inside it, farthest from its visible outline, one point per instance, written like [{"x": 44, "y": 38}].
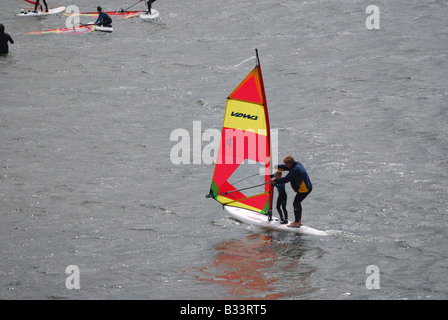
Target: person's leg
[
  {"x": 297, "y": 204},
  {"x": 107, "y": 22},
  {"x": 285, "y": 212},
  {"x": 279, "y": 207}
]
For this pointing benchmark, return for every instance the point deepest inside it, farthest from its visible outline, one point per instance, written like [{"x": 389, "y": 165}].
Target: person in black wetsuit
[
  {"x": 38, "y": 5},
  {"x": 103, "y": 18},
  {"x": 149, "y": 3},
  {"x": 4, "y": 39},
  {"x": 300, "y": 183},
  {"x": 281, "y": 199}
]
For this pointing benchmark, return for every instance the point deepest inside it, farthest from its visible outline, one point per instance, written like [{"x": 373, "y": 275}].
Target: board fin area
[{"x": 243, "y": 164}]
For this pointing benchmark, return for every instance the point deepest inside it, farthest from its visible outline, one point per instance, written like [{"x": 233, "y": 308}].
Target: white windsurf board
[
  {"x": 150, "y": 16},
  {"x": 261, "y": 220},
  {"x": 101, "y": 28}
]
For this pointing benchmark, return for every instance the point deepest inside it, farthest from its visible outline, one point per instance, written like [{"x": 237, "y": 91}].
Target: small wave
[{"x": 236, "y": 66}]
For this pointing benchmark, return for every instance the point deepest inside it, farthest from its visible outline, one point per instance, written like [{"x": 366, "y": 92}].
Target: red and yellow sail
[{"x": 243, "y": 165}]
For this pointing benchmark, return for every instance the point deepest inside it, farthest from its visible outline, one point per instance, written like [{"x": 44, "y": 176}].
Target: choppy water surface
[{"x": 86, "y": 177}]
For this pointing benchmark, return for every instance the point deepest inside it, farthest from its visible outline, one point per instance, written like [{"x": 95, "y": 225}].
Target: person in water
[
  {"x": 149, "y": 3},
  {"x": 38, "y": 5},
  {"x": 4, "y": 39},
  {"x": 103, "y": 18},
  {"x": 281, "y": 199},
  {"x": 300, "y": 183}
]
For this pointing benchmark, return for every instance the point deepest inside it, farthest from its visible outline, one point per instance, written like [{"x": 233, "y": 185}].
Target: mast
[{"x": 268, "y": 133}]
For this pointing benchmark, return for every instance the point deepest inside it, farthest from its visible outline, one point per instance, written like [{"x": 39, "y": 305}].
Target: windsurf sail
[
  {"x": 76, "y": 30},
  {"x": 243, "y": 164}
]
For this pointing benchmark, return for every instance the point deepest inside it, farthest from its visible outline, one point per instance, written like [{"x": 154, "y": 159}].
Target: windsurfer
[
  {"x": 300, "y": 183},
  {"x": 149, "y": 3},
  {"x": 38, "y": 5},
  {"x": 281, "y": 199},
  {"x": 4, "y": 38},
  {"x": 103, "y": 18}
]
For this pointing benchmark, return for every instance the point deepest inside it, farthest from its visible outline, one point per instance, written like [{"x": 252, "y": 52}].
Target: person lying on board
[
  {"x": 300, "y": 183},
  {"x": 103, "y": 18},
  {"x": 4, "y": 38},
  {"x": 281, "y": 199},
  {"x": 150, "y": 2},
  {"x": 38, "y": 5}
]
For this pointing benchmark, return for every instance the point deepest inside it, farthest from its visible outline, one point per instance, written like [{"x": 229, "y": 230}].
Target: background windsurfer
[
  {"x": 4, "y": 38},
  {"x": 103, "y": 18}
]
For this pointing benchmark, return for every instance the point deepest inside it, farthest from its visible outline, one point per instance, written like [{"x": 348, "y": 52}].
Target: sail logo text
[
  {"x": 373, "y": 21},
  {"x": 243, "y": 115},
  {"x": 251, "y": 144}
]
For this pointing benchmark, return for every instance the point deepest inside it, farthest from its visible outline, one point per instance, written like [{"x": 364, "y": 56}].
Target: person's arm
[{"x": 293, "y": 175}]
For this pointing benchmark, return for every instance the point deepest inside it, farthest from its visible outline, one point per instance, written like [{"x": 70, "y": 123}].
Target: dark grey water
[{"x": 86, "y": 177}]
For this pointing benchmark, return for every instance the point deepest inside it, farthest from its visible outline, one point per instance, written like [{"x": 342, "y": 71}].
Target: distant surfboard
[
  {"x": 261, "y": 220},
  {"x": 30, "y": 13},
  {"x": 79, "y": 29},
  {"x": 103, "y": 28},
  {"x": 150, "y": 16}
]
